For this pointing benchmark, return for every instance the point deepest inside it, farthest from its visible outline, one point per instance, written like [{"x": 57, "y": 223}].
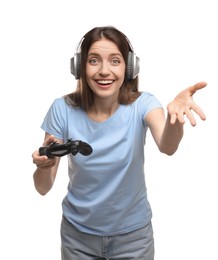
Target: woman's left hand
[{"x": 183, "y": 105}]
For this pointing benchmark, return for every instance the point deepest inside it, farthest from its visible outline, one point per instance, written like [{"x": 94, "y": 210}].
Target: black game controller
[{"x": 74, "y": 147}]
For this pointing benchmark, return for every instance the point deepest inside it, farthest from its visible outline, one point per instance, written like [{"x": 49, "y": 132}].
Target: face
[{"x": 105, "y": 69}]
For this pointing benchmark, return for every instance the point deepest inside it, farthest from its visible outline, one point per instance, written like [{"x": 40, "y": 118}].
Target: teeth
[{"x": 105, "y": 81}]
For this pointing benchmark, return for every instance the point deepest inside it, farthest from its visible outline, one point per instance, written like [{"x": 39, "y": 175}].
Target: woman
[{"x": 106, "y": 214}]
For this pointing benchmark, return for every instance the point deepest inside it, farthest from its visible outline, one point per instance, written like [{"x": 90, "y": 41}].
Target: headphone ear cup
[
  {"x": 75, "y": 64},
  {"x": 132, "y": 66}
]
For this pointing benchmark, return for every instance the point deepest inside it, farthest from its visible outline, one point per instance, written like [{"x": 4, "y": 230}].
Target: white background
[{"x": 177, "y": 44}]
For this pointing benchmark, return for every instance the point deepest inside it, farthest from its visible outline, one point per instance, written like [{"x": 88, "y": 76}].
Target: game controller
[{"x": 71, "y": 146}]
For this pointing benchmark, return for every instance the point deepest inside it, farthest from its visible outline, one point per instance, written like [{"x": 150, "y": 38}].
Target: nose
[{"x": 104, "y": 69}]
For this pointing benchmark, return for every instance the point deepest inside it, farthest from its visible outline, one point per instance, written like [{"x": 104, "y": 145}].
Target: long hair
[{"x": 83, "y": 95}]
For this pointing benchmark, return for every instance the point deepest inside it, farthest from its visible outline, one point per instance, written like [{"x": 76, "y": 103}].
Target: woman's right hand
[
  {"x": 46, "y": 171},
  {"x": 42, "y": 161}
]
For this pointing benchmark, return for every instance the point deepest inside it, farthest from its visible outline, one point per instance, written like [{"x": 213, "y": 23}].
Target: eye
[
  {"x": 93, "y": 61},
  {"x": 115, "y": 61}
]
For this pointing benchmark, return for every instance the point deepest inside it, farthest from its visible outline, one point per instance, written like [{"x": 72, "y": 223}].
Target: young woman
[{"x": 106, "y": 214}]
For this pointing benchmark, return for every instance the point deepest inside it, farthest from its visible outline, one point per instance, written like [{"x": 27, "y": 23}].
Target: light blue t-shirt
[{"x": 107, "y": 192}]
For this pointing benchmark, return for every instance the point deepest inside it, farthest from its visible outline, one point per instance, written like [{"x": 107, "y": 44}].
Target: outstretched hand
[{"x": 184, "y": 105}]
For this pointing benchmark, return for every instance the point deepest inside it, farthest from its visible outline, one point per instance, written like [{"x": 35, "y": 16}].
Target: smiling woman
[
  {"x": 105, "y": 71},
  {"x": 106, "y": 213},
  {"x": 121, "y": 56}
]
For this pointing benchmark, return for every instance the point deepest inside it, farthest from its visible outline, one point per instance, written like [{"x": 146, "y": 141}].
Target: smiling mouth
[{"x": 104, "y": 82}]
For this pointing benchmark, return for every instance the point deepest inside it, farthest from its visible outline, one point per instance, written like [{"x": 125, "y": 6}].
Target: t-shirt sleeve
[
  {"x": 54, "y": 121},
  {"x": 147, "y": 103}
]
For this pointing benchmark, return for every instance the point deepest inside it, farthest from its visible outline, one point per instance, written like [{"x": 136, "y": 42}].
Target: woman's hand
[
  {"x": 183, "y": 105},
  {"x": 45, "y": 173},
  {"x": 43, "y": 162}
]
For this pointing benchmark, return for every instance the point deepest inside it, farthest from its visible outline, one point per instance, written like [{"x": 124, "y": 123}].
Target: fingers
[
  {"x": 199, "y": 111},
  {"x": 184, "y": 106},
  {"x": 197, "y": 86},
  {"x": 174, "y": 117},
  {"x": 190, "y": 117},
  {"x": 37, "y": 158},
  {"x": 180, "y": 116},
  {"x": 42, "y": 161},
  {"x": 49, "y": 140}
]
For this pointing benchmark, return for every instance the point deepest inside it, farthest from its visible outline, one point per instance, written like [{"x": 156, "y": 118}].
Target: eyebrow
[{"x": 112, "y": 54}]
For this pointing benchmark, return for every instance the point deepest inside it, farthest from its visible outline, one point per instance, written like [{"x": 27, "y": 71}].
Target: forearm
[
  {"x": 171, "y": 137},
  {"x": 43, "y": 180}
]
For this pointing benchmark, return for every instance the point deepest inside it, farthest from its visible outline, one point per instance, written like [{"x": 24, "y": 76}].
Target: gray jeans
[{"x": 77, "y": 245}]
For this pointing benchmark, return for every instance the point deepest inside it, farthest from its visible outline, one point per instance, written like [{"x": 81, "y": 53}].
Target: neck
[{"x": 102, "y": 109}]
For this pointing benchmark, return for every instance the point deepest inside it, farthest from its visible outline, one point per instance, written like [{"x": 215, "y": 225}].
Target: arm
[
  {"x": 45, "y": 173},
  {"x": 168, "y": 132}
]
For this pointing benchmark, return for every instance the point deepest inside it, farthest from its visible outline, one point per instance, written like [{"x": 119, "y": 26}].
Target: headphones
[{"x": 132, "y": 62}]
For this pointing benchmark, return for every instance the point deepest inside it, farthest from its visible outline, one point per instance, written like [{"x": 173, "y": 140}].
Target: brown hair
[{"x": 83, "y": 95}]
